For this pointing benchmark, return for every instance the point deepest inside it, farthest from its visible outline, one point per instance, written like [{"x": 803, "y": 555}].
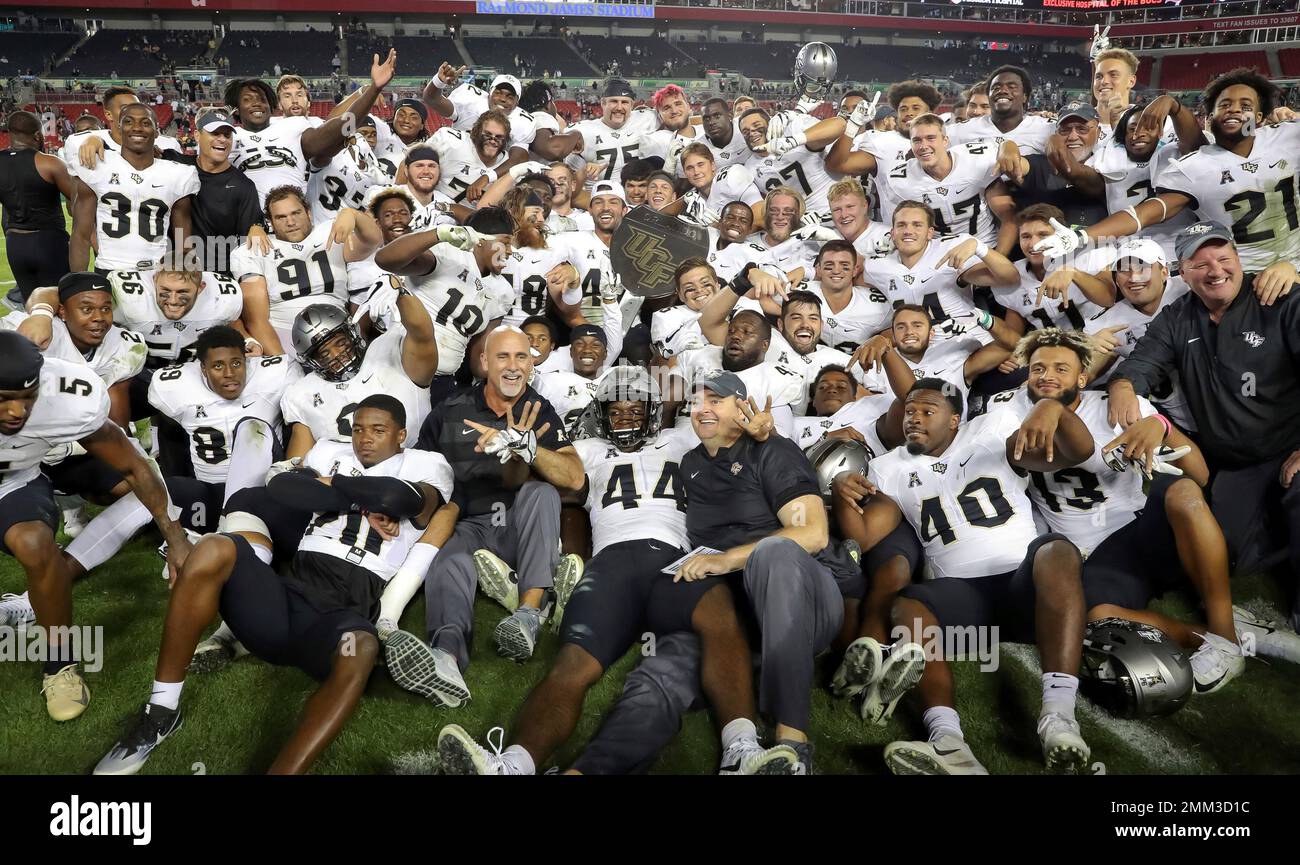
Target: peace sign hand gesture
[{"x": 517, "y": 440}]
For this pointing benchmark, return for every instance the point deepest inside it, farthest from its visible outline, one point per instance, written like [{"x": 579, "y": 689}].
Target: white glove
[
  {"x": 674, "y": 154},
  {"x": 776, "y": 125},
  {"x": 381, "y": 305},
  {"x": 816, "y": 232},
  {"x": 860, "y": 116},
  {"x": 611, "y": 286},
  {"x": 1063, "y": 242},
  {"x": 282, "y": 466},
  {"x": 884, "y": 245},
  {"x": 813, "y": 217},
  {"x": 1164, "y": 457},
  {"x": 462, "y": 237},
  {"x": 514, "y": 443},
  {"x": 808, "y": 104},
  {"x": 783, "y": 145},
  {"x": 517, "y": 172},
  {"x": 1100, "y": 42},
  {"x": 707, "y": 216}
]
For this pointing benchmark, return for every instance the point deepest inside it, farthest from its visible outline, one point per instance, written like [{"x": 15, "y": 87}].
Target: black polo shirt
[
  {"x": 735, "y": 496},
  {"x": 478, "y": 476},
  {"x": 1042, "y": 185},
  {"x": 227, "y": 206},
  {"x": 1240, "y": 377}
]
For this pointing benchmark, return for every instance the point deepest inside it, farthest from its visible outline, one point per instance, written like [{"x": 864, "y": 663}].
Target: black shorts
[
  {"x": 37, "y": 258},
  {"x": 199, "y": 501},
  {"x": 278, "y": 624},
  {"x": 33, "y": 503},
  {"x": 903, "y": 542},
  {"x": 1137, "y": 562},
  {"x": 287, "y": 525},
  {"x": 624, "y": 594},
  {"x": 83, "y": 475},
  {"x": 1006, "y": 600}
]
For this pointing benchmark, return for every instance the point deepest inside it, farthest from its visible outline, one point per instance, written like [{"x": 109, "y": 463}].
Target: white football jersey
[
  {"x": 1129, "y": 183},
  {"x": 1091, "y": 501},
  {"x": 460, "y": 162},
  {"x": 181, "y": 392},
  {"x": 273, "y": 156},
  {"x": 801, "y": 169},
  {"x": 470, "y": 102},
  {"x": 968, "y": 506},
  {"x": 589, "y": 254},
  {"x": 944, "y": 358},
  {"x": 867, "y": 313},
  {"x": 958, "y": 199},
  {"x": 1068, "y": 314},
  {"x": 763, "y": 379},
  {"x": 791, "y": 253},
  {"x": 118, "y": 357},
  {"x": 297, "y": 276},
  {"x": 73, "y": 403},
  {"x": 614, "y": 148},
  {"x": 526, "y": 272},
  {"x": 735, "y": 183},
  {"x": 808, "y": 365},
  {"x": 876, "y": 234},
  {"x": 1255, "y": 195},
  {"x": 567, "y": 392},
  {"x": 389, "y": 151},
  {"x": 71, "y": 149},
  {"x": 576, "y": 220},
  {"x": 133, "y": 214},
  {"x": 459, "y": 301},
  {"x": 349, "y": 536},
  {"x": 1170, "y": 399},
  {"x": 326, "y": 407},
  {"x": 729, "y": 260},
  {"x": 1030, "y": 135},
  {"x": 638, "y": 495},
  {"x": 345, "y": 182},
  {"x": 936, "y": 288},
  {"x": 861, "y": 414},
  {"x": 135, "y": 306},
  {"x": 676, "y": 329},
  {"x": 889, "y": 149}
]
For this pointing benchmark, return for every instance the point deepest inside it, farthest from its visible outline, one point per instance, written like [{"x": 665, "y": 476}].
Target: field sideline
[{"x": 236, "y": 720}]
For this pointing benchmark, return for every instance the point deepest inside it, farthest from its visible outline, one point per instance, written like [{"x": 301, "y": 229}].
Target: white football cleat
[
  {"x": 947, "y": 755},
  {"x": 567, "y": 576},
  {"x": 1063, "y": 747},
  {"x": 459, "y": 754},
  {"x": 903, "y": 667},
  {"x": 748, "y": 757},
  {"x": 74, "y": 520},
  {"x": 1216, "y": 663},
  {"x": 16, "y": 610},
  {"x": 497, "y": 579},
  {"x": 1271, "y": 640},
  {"x": 859, "y": 669}
]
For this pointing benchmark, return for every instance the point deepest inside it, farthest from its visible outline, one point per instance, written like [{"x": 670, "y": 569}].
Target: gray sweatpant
[
  {"x": 799, "y": 610},
  {"x": 527, "y": 537}
]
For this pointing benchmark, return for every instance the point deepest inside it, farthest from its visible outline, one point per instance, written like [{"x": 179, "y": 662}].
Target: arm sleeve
[
  {"x": 1152, "y": 360},
  {"x": 397, "y": 498},
  {"x": 300, "y": 489}
]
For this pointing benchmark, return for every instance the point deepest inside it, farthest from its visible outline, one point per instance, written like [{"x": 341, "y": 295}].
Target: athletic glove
[
  {"x": 381, "y": 305},
  {"x": 462, "y": 237},
  {"x": 283, "y": 466},
  {"x": 816, "y": 232},
  {"x": 1063, "y": 241},
  {"x": 885, "y": 245},
  {"x": 611, "y": 286},
  {"x": 808, "y": 104},
  {"x": 783, "y": 145},
  {"x": 514, "y": 443},
  {"x": 518, "y": 172},
  {"x": 1100, "y": 42},
  {"x": 1165, "y": 456},
  {"x": 860, "y": 116}
]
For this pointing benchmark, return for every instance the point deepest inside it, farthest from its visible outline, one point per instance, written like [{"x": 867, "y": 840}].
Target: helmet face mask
[
  {"x": 1134, "y": 669},
  {"x": 314, "y": 328},
  {"x": 628, "y": 384}
]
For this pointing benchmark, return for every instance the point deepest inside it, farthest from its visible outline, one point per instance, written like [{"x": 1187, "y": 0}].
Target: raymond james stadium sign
[{"x": 542, "y": 7}]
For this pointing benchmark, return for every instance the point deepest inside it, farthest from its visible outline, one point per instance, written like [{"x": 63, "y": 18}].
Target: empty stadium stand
[
  {"x": 135, "y": 53},
  {"x": 1194, "y": 71},
  {"x": 20, "y": 52},
  {"x": 646, "y": 58},
  {"x": 303, "y": 52},
  {"x": 534, "y": 56}
]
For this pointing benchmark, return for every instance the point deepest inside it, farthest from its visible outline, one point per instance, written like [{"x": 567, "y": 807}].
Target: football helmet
[
  {"x": 1134, "y": 670},
  {"x": 317, "y": 325},
  {"x": 833, "y": 456},
  {"x": 815, "y": 68},
  {"x": 628, "y": 383}
]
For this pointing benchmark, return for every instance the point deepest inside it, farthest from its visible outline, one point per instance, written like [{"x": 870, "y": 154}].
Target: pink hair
[{"x": 664, "y": 92}]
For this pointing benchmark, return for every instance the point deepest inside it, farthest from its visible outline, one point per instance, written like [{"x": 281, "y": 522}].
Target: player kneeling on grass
[
  {"x": 370, "y": 500},
  {"x": 44, "y": 403},
  {"x": 637, "y": 503},
  {"x": 991, "y": 566}
]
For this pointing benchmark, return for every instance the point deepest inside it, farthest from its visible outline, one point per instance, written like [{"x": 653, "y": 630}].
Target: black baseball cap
[
  {"x": 723, "y": 383},
  {"x": 618, "y": 87},
  {"x": 1193, "y": 237},
  {"x": 212, "y": 119},
  {"x": 1086, "y": 112}
]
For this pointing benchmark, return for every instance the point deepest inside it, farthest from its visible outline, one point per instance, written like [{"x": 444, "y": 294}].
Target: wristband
[
  {"x": 984, "y": 319},
  {"x": 437, "y": 81},
  {"x": 741, "y": 284},
  {"x": 250, "y": 342},
  {"x": 1164, "y": 210},
  {"x": 1164, "y": 421},
  {"x": 1132, "y": 211},
  {"x": 43, "y": 309},
  {"x": 981, "y": 249}
]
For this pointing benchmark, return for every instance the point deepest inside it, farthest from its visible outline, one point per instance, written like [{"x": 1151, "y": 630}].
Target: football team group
[{"x": 987, "y": 369}]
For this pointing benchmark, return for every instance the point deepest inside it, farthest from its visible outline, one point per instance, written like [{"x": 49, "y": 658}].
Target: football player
[
  {"x": 406, "y": 129},
  {"x": 319, "y": 617},
  {"x": 570, "y": 393},
  {"x": 801, "y": 166},
  {"x": 793, "y": 244},
  {"x": 347, "y": 178},
  {"x": 730, "y": 249},
  {"x": 466, "y": 104},
  {"x": 88, "y": 143},
  {"x": 588, "y": 251},
  {"x": 131, "y": 203},
  {"x": 564, "y": 215},
  {"x": 1010, "y": 88},
  {"x": 712, "y": 190},
  {"x": 842, "y": 409},
  {"x": 676, "y": 328},
  {"x": 469, "y": 161},
  {"x": 850, "y": 215},
  {"x": 850, "y": 314},
  {"x": 610, "y": 140}
]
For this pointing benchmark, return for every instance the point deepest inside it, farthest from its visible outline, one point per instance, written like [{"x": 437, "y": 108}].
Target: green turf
[{"x": 237, "y": 719}]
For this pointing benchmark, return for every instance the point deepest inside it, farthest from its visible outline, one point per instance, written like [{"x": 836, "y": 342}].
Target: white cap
[
  {"x": 609, "y": 187},
  {"x": 1143, "y": 249},
  {"x": 509, "y": 80}
]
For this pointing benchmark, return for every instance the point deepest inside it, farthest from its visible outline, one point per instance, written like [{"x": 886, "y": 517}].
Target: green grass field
[{"x": 237, "y": 719}]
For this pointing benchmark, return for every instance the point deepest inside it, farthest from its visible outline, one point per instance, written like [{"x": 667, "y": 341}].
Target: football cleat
[
  {"x": 497, "y": 579},
  {"x": 459, "y": 754},
  {"x": 747, "y": 757},
  {"x": 1063, "y": 747},
  {"x": 516, "y": 634},
  {"x": 193, "y": 536},
  {"x": 859, "y": 669},
  {"x": 16, "y": 610},
  {"x": 1271, "y": 640},
  {"x": 214, "y": 653},
  {"x": 567, "y": 576},
  {"x": 947, "y": 755},
  {"x": 74, "y": 520},
  {"x": 148, "y": 729},
  {"x": 417, "y": 667},
  {"x": 902, "y": 668},
  {"x": 1216, "y": 663},
  {"x": 66, "y": 694}
]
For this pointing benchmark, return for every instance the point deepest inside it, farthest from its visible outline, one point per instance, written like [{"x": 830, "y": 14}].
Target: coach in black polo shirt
[
  {"x": 1238, "y": 363},
  {"x": 509, "y": 452},
  {"x": 226, "y": 210},
  {"x": 759, "y": 503}
]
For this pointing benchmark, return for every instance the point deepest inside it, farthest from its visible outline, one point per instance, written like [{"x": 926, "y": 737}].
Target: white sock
[
  {"x": 250, "y": 457},
  {"x": 942, "y": 721},
  {"x": 108, "y": 532},
  {"x": 518, "y": 761},
  {"x": 1059, "y": 693},
  {"x": 406, "y": 582},
  {"x": 224, "y": 634},
  {"x": 166, "y": 694},
  {"x": 738, "y": 730}
]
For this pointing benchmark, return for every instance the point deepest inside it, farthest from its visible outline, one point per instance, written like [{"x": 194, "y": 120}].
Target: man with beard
[
  {"x": 1009, "y": 90},
  {"x": 611, "y": 139},
  {"x": 1215, "y": 181},
  {"x": 423, "y": 174},
  {"x": 564, "y": 216},
  {"x": 712, "y": 190},
  {"x": 793, "y": 244},
  {"x": 799, "y": 165},
  {"x": 989, "y": 569},
  {"x": 471, "y": 160},
  {"x": 588, "y": 251},
  {"x": 675, "y": 127},
  {"x": 464, "y": 105},
  {"x": 1147, "y": 541},
  {"x": 721, "y": 133}
]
